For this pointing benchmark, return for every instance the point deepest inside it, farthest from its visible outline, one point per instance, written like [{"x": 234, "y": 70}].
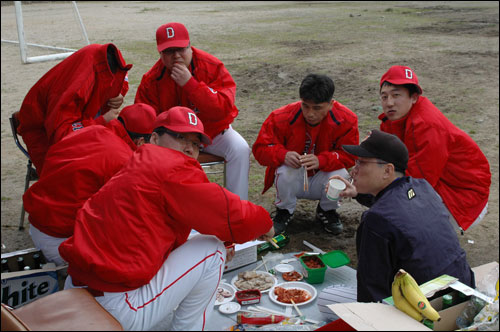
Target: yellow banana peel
[
  {"x": 401, "y": 303},
  {"x": 415, "y": 297}
]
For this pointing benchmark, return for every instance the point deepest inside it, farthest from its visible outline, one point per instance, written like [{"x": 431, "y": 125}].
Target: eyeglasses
[
  {"x": 361, "y": 162},
  {"x": 172, "y": 50},
  {"x": 184, "y": 140}
]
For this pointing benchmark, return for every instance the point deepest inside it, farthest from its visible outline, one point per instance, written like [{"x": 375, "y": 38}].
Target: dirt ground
[{"x": 269, "y": 47}]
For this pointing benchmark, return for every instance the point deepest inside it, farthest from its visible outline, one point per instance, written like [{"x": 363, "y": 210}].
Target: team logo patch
[
  {"x": 76, "y": 126},
  {"x": 411, "y": 193}
]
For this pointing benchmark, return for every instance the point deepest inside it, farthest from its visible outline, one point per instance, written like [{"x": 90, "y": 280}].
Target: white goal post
[{"x": 23, "y": 45}]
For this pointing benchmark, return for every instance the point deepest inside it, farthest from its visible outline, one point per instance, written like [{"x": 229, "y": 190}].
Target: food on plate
[
  {"x": 313, "y": 262},
  {"x": 285, "y": 295},
  {"x": 254, "y": 280},
  {"x": 292, "y": 276},
  {"x": 222, "y": 294}
]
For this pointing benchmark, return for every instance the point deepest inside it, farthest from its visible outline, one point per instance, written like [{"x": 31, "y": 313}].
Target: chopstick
[
  {"x": 274, "y": 244},
  {"x": 306, "y": 179},
  {"x": 264, "y": 262},
  {"x": 296, "y": 308}
]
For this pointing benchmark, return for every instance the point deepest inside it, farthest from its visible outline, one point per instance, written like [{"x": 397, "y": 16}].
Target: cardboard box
[
  {"x": 245, "y": 254},
  {"x": 367, "y": 316},
  {"x": 22, "y": 287}
]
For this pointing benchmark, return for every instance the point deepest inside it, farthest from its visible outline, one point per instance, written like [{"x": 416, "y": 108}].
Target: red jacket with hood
[
  {"x": 285, "y": 130},
  {"x": 210, "y": 92},
  {"x": 125, "y": 232},
  {"x": 77, "y": 167},
  {"x": 69, "y": 97},
  {"x": 446, "y": 157}
]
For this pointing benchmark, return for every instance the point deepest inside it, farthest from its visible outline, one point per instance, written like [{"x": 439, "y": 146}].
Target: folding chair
[
  {"x": 208, "y": 160},
  {"x": 31, "y": 174}
]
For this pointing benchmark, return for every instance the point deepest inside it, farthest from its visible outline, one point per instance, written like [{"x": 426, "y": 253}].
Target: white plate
[
  {"x": 228, "y": 288},
  {"x": 229, "y": 308},
  {"x": 295, "y": 285},
  {"x": 267, "y": 274},
  {"x": 282, "y": 268}
]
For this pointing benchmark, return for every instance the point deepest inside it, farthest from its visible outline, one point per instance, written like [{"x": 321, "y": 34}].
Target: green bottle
[
  {"x": 281, "y": 240},
  {"x": 429, "y": 323},
  {"x": 447, "y": 301}
]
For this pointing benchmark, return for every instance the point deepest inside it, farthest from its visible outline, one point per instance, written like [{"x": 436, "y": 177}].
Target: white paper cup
[{"x": 335, "y": 186}]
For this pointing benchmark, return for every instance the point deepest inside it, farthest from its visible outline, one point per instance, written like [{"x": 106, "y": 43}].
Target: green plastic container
[{"x": 333, "y": 259}]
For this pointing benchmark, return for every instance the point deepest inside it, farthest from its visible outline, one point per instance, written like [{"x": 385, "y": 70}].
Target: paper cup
[{"x": 335, "y": 186}]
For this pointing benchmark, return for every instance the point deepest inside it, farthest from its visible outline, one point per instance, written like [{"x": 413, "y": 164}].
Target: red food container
[{"x": 249, "y": 296}]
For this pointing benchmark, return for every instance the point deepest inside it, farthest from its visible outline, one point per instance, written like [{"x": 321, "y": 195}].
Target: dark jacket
[{"x": 407, "y": 228}]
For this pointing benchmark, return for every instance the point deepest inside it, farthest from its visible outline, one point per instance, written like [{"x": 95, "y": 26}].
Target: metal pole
[
  {"x": 20, "y": 31},
  {"x": 41, "y": 46},
  {"x": 81, "y": 22},
  {"x": 49, "y": 57}
]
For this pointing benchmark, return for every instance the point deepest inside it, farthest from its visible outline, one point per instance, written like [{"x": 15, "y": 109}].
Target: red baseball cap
[
  {"x": 138, "y": 118},
  {"x": 171, "y": 35},
  {"x": 399, "y": 75},
  {"x": 181, "y": 119}
]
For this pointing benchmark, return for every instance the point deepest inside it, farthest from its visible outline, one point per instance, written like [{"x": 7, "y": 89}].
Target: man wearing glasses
[
  {"x": 130, "y": 246},
  {"x": 407, "y": 226},
  {"x": 187, "y": 76}
]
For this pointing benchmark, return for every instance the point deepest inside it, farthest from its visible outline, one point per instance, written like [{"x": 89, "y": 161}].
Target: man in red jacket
[
  {"x": 307, "y": 136},
  {"x": 187, "y": 76},
  {"x": 440, "y": 152},
  {"x": 77, "y": 167},
  {"x": 84, "y": 89},
  {"x": 130, "y": 244}
]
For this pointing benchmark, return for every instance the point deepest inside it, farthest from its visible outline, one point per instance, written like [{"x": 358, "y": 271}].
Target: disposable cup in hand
[{"x": 335, "y": 186}]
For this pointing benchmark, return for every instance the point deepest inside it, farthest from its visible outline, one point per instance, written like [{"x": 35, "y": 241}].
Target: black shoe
[
  {"x": 281, "y": 219},
  {"x": 330, "y": 220}
]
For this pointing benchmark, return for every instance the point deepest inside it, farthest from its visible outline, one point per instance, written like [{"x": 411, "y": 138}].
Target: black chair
[
  {"x": 31, "y": 174},
  {"x": 208, "y": 160}
]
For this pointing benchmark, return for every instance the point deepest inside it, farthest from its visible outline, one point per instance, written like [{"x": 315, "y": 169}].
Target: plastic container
[
  {"x": 315, "y": 265},
  {"x": 249, "y": 296}
]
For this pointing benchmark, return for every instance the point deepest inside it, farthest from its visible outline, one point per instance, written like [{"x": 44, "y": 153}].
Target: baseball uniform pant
[
  {"x": 233, "y": 147},
  {"x": 49, "y": 245},
  {"x": 187, "y": 283},
  {"x": 289, "y": 183}
]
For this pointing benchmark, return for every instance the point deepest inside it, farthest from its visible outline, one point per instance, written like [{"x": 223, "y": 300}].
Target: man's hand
[
  {"x": 115, "y": 102},
  {"x": 292, "y": 159},
  {"x": 230, "y": 251},
  {"x": 309, "y": 161},
  {"x": 180, "y": 74},
  {"x": 268, "y": 236},
  {"x": 111, "y": 114},
  {"x": 349, "y": 191}
]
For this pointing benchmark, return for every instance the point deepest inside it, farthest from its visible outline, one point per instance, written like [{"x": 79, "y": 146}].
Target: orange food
[
  {"x": 286, "y": 295},
  {"x": 313, "y": 262},
  {"x": 292, "y": 276}
]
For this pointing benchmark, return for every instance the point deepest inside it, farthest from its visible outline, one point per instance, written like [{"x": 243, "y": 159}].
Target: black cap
[{"x": 384, "y": 146}]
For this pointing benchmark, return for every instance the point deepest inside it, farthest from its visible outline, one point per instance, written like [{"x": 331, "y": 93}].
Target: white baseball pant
[
  {"x": 233, "y": 147},
  {"x": 187, "y": 283},
  {"x": 49, "y": 245},
  {"x": 289, "y": 183}
]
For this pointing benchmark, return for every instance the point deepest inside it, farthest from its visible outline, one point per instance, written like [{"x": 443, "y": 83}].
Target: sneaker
[
  {"x": 281, "y": 219},
  {"x": 330, "y": 220}
]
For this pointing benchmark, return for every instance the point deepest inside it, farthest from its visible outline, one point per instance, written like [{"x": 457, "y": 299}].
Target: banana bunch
[{"x": 409, "y": 298}]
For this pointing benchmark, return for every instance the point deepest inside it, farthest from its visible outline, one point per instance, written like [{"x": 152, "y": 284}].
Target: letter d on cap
[
  {"x": 170, "y": 32},
  {"x": 193, "y": 119},
  {"x": 409, "y": 74}
]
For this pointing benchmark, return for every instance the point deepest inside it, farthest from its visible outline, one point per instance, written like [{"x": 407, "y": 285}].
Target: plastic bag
[{"x": 486, "y": 313}]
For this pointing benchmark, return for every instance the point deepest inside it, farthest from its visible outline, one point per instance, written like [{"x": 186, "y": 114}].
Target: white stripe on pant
[{"x": 186, "y": 282}]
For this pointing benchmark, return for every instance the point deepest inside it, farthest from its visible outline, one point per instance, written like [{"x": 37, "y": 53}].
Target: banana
[
  {"x": 401, "y": 303},
  {"x": 415, "y": 297}
]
